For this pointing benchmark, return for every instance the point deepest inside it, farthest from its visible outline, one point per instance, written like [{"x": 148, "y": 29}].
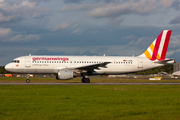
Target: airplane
[{"x": 69, "y": 67}]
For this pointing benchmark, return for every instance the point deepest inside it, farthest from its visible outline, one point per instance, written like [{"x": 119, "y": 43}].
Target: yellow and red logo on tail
[{"x": 157, "y": 50}]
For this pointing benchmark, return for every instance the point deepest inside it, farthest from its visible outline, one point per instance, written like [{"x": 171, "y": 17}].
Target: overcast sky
[{"x": 86, "y": 27}]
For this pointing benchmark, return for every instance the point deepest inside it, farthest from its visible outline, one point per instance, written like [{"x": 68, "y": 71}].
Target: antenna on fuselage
[
  {"x": 104, "y": 55},
  {"x": 30, "y": 54}
]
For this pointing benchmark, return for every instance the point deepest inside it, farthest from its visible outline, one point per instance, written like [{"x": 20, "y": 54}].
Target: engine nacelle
[{"x": 65, "y": 75}]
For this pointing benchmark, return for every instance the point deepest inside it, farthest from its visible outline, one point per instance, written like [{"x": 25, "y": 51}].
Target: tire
[
  {"x": 27, "y": 80},
  {"x": 87, "y": 80},
  {"x": 83, "y": 81}
]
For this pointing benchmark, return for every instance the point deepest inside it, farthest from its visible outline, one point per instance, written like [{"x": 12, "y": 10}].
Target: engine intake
[{"x": 65, "y": 75}]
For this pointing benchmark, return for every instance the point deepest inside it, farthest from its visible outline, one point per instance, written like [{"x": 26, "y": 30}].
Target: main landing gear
[
  {"x": 27, "y": 80},
  {"x": 85, "y": 80}
]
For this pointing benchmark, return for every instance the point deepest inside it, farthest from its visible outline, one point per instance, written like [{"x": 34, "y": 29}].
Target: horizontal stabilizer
[{"x": 168, "y": 61}]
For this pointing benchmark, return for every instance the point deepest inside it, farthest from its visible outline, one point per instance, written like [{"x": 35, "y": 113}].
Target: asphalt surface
[{"x": 13, "y": 83}]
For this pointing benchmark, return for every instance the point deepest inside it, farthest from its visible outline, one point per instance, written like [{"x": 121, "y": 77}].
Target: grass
[
  {"x": 93, "y": 80},
  {"x": 79, "y": 102}
]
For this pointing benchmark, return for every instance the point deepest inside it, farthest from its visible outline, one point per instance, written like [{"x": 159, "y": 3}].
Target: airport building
[
  {"x": 176, "y": 66},
  {"x": 176, "y": 69}
]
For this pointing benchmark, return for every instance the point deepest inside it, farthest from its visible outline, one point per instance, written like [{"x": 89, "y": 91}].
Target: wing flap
[{"x": 92, "y": 66}]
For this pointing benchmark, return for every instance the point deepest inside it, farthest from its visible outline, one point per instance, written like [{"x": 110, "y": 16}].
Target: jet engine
[{"x": 65, "y": 74}]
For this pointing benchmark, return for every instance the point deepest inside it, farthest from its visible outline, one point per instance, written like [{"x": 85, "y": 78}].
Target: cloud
[
  {"x": 102, "y": 49},
  {"x": 176, "y": 20},
  {"x": 22, "y": 38},
  {"x": 168, "y": 3},
  {"x": 77, "y": 31},
  {"x": 129, "y": 37},
  {"x": 40, "y": 0},
  {"x": 86, "y": 6},
  {"x": 175, "y": 42},
  {"x": 10, "y": 10},
  {"x": 7, "y": 35},
  {"x": 45, "y": 51},
  {"x": 61, "y": 26},
  {"x": 64, "y": 9},
  {"x": 140, "y": 42},
  {"x": 128, "y": 7},
  {"x": 124, "y": 7},
  {"x": 8, "y": 18},
  {"x": 175, "y": 55},
  {"x": 5, "y": 31},
  {"x": 73, "y": 1},
  {"x": 89, "y": 53},
  {"x": 115, "y": 21}
]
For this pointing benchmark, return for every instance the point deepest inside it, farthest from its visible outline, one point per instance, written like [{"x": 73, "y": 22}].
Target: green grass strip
[
  {"x": 93, "y": 80},
  {"x": 94, "y": 102}
]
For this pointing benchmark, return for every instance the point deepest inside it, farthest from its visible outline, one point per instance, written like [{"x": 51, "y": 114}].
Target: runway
[{"x": 14, "y": 83}]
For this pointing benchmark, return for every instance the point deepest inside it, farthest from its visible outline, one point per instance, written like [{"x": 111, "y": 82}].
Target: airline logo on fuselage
[{"x": 49, "y": 58}]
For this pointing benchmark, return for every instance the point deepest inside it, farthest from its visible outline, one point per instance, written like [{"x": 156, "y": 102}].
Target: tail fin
[{"x": 157, "y": 50}]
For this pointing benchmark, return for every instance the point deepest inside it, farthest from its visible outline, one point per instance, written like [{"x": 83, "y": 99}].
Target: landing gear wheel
[
  {"x": 27, "y": 80},
  {"x": 86, "y": 80}
]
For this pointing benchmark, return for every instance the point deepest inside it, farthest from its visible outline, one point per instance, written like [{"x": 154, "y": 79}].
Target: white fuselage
[{"x": 51, "y": 64}]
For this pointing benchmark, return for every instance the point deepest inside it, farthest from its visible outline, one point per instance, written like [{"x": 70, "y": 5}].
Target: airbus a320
[{"x": 69, "y": 67}]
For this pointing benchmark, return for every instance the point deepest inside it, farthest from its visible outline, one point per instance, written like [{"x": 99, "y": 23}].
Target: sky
[{"x": 86, "y": 27}]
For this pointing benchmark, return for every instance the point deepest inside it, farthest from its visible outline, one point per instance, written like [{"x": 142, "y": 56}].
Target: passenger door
[
  {"x": 28, "y": 61},
  {"x": 140, "y": 63}
]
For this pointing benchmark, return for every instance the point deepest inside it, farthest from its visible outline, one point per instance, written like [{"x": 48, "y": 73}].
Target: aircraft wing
[{"x": 93, "y": 66}]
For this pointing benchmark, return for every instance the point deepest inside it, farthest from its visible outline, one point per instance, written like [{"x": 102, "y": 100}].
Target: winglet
[{"x": 157, "y": 50}]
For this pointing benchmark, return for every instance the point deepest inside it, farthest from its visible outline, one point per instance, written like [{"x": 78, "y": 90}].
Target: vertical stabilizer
[{"x": 157, "y": 50}]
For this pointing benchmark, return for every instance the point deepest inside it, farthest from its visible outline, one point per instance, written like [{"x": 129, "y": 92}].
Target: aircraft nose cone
[{"x": 7, "y": 67}]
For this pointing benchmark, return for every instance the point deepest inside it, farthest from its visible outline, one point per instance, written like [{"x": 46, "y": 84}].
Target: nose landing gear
[{"x": 27, "y": 80}]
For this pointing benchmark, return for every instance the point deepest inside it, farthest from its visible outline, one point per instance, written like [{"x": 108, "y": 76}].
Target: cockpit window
[{"x": 15, "y": 61}]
